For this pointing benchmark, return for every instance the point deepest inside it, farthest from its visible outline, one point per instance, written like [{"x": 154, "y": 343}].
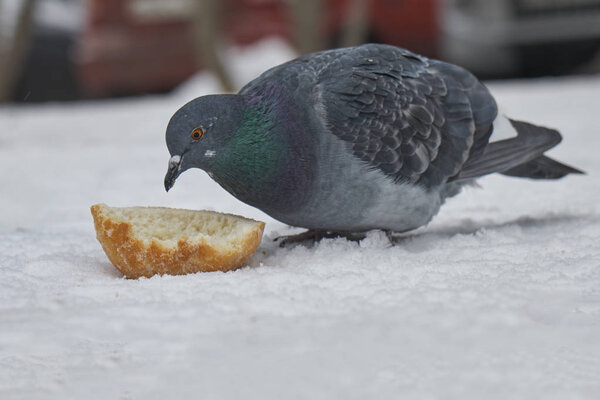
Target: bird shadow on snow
[
  {"x": 421, "y": 241},
  {"x": 426, "y": 238}
]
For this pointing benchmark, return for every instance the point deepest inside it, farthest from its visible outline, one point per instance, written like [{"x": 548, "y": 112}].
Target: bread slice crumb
[{"x": 145, "y": 241}]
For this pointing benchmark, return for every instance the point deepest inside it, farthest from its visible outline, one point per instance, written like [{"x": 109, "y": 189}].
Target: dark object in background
[
  {"x": 513, "y": 38},
  {"x": 48, "y": 72},
  {"x": 46, "y": 69},
  {"x": 566, "y": 56}
]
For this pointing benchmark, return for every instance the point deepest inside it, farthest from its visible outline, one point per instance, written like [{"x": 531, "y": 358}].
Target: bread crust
[{"x": 135, "y": 258}]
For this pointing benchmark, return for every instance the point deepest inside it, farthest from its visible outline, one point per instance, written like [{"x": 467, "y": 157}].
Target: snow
[{"x": 499, "y": 297}]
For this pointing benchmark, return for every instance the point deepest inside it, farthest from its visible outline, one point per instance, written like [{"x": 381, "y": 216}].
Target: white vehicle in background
[{"x": 519, "y": 37}]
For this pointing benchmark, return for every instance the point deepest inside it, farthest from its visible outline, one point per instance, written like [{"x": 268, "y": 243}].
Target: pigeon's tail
[
  {"x": 541, "y": 168},
  {"x": 521, "y": 156}
]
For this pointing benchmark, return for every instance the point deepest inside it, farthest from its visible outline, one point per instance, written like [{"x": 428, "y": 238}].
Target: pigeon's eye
[{"x": 197, "y": 133}]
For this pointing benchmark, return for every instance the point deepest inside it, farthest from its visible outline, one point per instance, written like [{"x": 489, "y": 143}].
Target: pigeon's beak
[{"x": 173, "y": 171}]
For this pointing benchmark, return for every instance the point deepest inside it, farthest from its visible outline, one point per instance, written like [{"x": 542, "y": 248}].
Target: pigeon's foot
[
  {"x": 390, "y": 237},
  {"x": 312, "y": 236}
]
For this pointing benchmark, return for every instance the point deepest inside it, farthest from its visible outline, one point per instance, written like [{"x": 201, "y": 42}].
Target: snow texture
[{"x": 498, "y": 298}]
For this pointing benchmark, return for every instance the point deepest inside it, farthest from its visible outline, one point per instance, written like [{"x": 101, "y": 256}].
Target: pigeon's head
[{"x": 198, "y": 131}]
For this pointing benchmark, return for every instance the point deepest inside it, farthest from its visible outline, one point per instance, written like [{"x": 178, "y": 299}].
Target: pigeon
[{"x": 349, "y": 140}]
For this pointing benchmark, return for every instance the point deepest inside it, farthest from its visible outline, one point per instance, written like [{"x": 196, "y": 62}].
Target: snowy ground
[{"x": 499, "y": 297}]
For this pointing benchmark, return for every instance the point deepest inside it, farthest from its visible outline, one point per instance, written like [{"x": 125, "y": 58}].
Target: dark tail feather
[
  {"x": 541, "y": 168},
  {"x": 521, "y": 156}
]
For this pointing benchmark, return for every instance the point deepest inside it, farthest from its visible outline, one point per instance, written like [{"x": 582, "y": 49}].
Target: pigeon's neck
[
  {"x": 251, "y": 151},
  {"x": 253, "y": 161}
]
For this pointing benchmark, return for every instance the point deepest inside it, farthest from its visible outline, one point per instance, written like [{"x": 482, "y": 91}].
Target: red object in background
[
  {"x": 119, "y": 55},
  {"x": 141, "y": 46},
  {"x": 412, "y": 24},
  {"x": 247, "y": 21}
]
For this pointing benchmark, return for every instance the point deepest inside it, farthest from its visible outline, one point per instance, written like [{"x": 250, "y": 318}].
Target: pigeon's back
[{"x": 414, "y": 119}]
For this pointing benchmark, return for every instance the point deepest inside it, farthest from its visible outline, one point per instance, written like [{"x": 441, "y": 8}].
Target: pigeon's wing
[{"x": 417, "y": 120}]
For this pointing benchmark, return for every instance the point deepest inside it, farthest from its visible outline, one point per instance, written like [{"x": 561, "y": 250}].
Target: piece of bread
[{"x": 144, "y": 241}]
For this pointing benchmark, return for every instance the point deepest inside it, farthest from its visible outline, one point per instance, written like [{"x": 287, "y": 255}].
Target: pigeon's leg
[
  {"x": 352, "y": 236},
  {"x": 390, "y": 236},
  {"x": 313, "y": 236}
]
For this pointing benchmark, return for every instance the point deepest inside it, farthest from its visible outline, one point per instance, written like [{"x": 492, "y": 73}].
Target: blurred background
[{"x": 79, "y": 49}]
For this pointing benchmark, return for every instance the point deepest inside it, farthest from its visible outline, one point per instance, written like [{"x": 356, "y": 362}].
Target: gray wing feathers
[{"x": 414, "y": 119}]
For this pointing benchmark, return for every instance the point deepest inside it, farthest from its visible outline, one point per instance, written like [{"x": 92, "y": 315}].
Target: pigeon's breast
[{"x": 348, "y": 195}]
